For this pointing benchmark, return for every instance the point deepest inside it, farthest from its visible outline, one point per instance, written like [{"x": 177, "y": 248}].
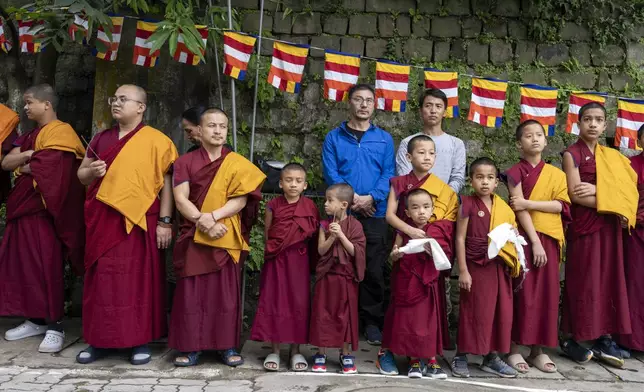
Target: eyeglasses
[
  {"x": 360, "y": 101},
  {"x": 122, "y": 100}
]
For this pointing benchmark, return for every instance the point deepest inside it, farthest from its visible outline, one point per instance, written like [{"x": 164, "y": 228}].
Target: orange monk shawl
[
  {"x": 502, "y": 213},
  {"x": 8, "y": 122},
  {"x": 551, "y": 185},
  {"x": 236, "y": 177},
  {"x": 444, "y": 197},
  {"x": 616, "y": 184},
  {"x": 134, "y": 180}
]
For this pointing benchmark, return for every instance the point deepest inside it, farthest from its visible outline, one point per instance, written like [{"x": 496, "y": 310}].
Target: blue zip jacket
[{"x": 366, "y": 166}]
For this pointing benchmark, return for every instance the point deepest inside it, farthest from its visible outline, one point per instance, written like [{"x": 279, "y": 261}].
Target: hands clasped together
[{"x": 209, "y": 225}]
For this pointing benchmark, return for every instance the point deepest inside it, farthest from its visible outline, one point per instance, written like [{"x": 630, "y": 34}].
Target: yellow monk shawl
[
  {"x": 8, "y": 122},
  {"x": 135, "y": 177},
  {"x": 444, "y": 197},
  {"x": 502, "y": 213},
  {"x": 616, "y": 184},
  {"x": 551, "y": 185},
  {"x": 60, "y": 136},
  {"x": 236, "y": 177}
]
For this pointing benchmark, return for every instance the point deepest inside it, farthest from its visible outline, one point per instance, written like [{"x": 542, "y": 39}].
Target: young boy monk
[
  {"x": 634, "y": 260},
  {"x": 485, "y": 317},
  {"x": 412, "y": 326},
  {"x": 217, "y": 193},
  {"x": 422, "y": 154},
  {"x": 602, "y": 188},
  {"x": 539, "y": 197},
  {"x": 44, "y": 222},
  {"x": 341, "y": 266},
  {"x": 282, "y": 316}
]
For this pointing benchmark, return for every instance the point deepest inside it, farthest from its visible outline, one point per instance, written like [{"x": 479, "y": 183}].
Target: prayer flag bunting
[
  {"x": 488, "y": 101},
  {"x": 539, "y": 103},
  {"x": 447, "y": 82},
  {"x": 28, "y": 35},
  {"x": 142, "y": 55},
  {"x": 392, "y": 83},
  {"x": 79, "y": 26},
  {"x": 111, "y": 46},
  {"x": 341, "y": 71},
  {"x": 630, "y": 117},
  {"x": 237, "y": 51},
  {"x": 577, "y": 100},
  {"x": 5, "y": 44},
  {"x": 185, "y": 56},
  {"x": 287, "y": 66}
]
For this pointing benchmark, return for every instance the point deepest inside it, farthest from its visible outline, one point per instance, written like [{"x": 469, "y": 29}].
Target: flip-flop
[
  {"x": 141, "y": 351},
  {"x": 94, "y": 354},
  {"x": 298, "y": 359},
  {"x": 272, "y": 358},
  {"x": 540, "y": 362},
  {"x": 193, "y": 358},
  {"x": 515, "y": 360},
  {"x": 231, "y": 352}
]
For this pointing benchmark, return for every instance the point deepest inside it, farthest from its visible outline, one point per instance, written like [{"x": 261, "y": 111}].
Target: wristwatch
[{"x": 165, "y": 219}]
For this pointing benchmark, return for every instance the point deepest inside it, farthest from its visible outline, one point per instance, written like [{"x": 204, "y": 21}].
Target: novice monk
[
  {"x": 127, "y": 213},
  {"x": 44, "y": 222},
  {"x": 284, "y": 307},
  {"x": 539, "y": 197},
  {"x": 217, "y": 192},
  {"x": 421, "y": 154},
  {"x": 485, "y": 319},
  {"x": 412, "y": 326},
  {"x": 634, "y": 260},
  {"x": 341, "y": 266},
  {"x": 602, "y": 188}
]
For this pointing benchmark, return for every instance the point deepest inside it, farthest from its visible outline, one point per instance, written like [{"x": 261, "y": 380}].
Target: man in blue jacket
[{"x": 362, "y": 155}]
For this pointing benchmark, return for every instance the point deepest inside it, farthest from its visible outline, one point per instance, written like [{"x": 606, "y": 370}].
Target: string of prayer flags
[
  {"x": 392, "y": 83},
  {"x": 447, "y": 82},
  {"x": 78, "y": 29},
  {"x": 5, "y": 44},
  {"x": 577, "y": 100},
  {"x": 111, "y": 45},
  {"x": 341, "y": 71},
  {"x": 142, "y": 46},
  {"x": 28, "y": 35},
  {"x": 488, "y": 101},
  {"x": 630, "y": 117},
  {"x": 185, "y": 56},
  {"x": 539, "y": 103},
  {"x": 287, "y": 66},
  {"x": 237, "y": 51}
]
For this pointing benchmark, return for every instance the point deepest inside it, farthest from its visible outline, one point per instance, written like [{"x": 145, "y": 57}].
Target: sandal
[
  {"x": 94, "y": 354},
  {"x": 348, "y": 363},
  {"x": 541, "y": 361},
  {"x": 298, "y": 359},
  {"x": 231, "y": 352},
  {"x": 515, "y": 360},
  {"x": 319, "y": 363},
  {"x": 272, "y": 358},
  {"x": 192, "y": 357},
  {"x": 140, "y": 355},
  {"x": 495, "y": 365}
]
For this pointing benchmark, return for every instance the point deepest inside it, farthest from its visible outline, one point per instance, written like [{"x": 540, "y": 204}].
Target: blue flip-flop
[
  {"x": 193, "y": 358},
  {"x": 143, "y": 350},
  {"x": 231, "y": 352},
  {"x": 94, "y": 354}
]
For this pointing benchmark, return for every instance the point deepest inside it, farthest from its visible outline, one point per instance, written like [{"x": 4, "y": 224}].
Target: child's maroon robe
[
  {"x": 283, "y": 311},
  {"x": 334, "y": 314},
  {"x": 595, "y": 301},
  {"x": 536, "y": 298},
  {"x": 485, "y": 315}
]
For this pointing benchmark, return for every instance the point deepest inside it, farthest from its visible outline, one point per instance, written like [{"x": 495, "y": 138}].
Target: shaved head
[
  {"x": 43, "y": 93},
  {"x": 138, "y": 92}
]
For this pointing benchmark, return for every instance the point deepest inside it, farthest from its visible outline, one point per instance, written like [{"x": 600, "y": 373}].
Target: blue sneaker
[
  {"x": 606, "y": 350},
  {"x": 373, "y": 335},
  {"x": 386, "y": 363},
  {"x": 415, "y": 369}
]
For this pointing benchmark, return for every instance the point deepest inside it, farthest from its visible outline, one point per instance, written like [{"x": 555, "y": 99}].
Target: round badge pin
[{"x": 481, "y": 214}]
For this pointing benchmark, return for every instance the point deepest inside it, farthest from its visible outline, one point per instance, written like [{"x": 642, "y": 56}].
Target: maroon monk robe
[
  {"x": 206, "y": 306},
  {"x": 634, "y": 269},
  {"x": 412, "y": 323},
  {"x": 334, "y": 314},
  {"x": 595, "y": 301},
  {"x": 283, "y": 311},
  {"x": 442, "y": 231},
  {"x": 485, "y": 316},
  {"x": 38, "y": 239},
  {"x": 536, "y": 298},
  {"x": 124, "y": 294}
]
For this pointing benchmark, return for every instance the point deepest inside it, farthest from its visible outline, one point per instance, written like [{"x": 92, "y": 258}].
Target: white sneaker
[
  {"x": 25, "y": 330},
  {"x": 53, "y": 342}
]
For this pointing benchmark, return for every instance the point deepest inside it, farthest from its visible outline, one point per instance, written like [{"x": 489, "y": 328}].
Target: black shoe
[
  {"x": 373, "y": 335},
  {"x": 575, "y": 351},
  {"x": 606, "y": 350}
]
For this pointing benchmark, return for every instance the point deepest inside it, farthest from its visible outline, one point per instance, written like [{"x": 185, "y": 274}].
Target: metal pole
[
  {"x": 221, "y": 94},
  {"x": 257, "y": 65},
  {"x": 232, "y": 84}
]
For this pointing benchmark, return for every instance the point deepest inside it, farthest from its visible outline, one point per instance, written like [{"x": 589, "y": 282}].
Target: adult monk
[
  {"x": 217, "y": 193},
  {"x": 8, "y": 133},
  {"x": 44, "y": 222},
  {"x": 127, "y": 212}
]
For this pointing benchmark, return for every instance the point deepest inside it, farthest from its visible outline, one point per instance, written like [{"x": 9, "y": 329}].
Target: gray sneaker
[
  {"x": 495, "y": 365},
  {"x": 459, "y": 367}
]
